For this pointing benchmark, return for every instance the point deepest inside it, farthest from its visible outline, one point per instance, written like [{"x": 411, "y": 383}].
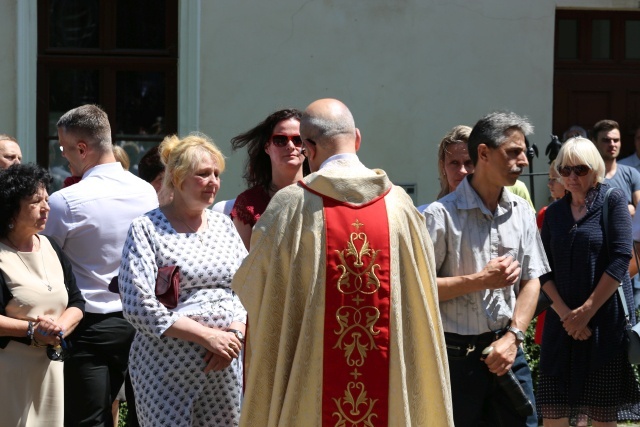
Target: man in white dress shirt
[
  {"x": 488, "y": 257},
  {"x": 90, "y": 221}
]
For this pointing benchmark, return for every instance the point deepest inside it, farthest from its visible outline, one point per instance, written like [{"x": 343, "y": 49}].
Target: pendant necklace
[
  {"x": 192, "y": 230},
  {"x": 46, "y": 283}
]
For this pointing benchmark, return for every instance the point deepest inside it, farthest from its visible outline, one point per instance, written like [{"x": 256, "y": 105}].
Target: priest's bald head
[{"x": 327, "y": 128}]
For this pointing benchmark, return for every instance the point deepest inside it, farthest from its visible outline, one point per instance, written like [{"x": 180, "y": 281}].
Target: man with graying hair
[
  {"x": 90, "y": 221},
  {"x": 489, "y": 257},
  {"x": 339, "y": 287},
  {"x": 10, "y": 153}
]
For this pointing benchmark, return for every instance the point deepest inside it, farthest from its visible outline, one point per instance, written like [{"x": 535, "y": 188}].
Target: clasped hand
[
  {"x": 47, "y": 331},
  {"x": 501, "y": 272},
  {"x": 575, "y": 323},
  {"x": 222, "y": 348}
]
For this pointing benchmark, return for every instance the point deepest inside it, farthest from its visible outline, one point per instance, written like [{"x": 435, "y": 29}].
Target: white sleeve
[
  {"x": 59, "y": 221},
  {"x": 137, "y": 279}
]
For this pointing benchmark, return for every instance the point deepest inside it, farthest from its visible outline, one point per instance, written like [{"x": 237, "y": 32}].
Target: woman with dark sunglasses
[
  {"x": 275, "y": 161},
  {"x": 584, "y": 370},
  {"x": 40, "y": 304}
]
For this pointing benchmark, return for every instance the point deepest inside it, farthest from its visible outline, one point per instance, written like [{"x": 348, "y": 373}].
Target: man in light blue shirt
[
  {"x": 606, "y": 136},
  {"x": 634, "y": 159}
]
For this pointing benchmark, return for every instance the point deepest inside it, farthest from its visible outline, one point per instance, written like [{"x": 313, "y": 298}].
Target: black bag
[
  {"x": 544, "y": 302},
  {"x": 633, "y": 332}
]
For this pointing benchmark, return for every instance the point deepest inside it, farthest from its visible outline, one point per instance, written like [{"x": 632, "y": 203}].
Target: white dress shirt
[{"x": 90, "y": 221}]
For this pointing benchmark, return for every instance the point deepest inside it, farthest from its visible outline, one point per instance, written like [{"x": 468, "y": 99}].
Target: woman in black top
[{"x": 583, "y": 364}]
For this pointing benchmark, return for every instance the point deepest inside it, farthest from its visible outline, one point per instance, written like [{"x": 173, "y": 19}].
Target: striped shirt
[{"x": 466, "y": 236}]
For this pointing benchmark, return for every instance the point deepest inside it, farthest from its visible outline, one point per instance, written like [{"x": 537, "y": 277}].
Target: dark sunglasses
[
  {"x": 282, "y": 140},
  {"x": 59, "y": 353},
  {"x": 579, "y": 170}
]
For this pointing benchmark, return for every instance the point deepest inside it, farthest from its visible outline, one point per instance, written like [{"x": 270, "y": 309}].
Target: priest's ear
[{"x": 358, "y": 139}]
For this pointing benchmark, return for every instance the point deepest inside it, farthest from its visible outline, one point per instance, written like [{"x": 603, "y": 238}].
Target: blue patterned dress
[{"x": 170, "y": 386}]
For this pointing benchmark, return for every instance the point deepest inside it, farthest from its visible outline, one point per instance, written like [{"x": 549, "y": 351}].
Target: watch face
[{"x": 518, "y": 333}]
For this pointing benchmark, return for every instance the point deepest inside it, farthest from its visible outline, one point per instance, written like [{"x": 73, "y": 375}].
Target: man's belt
[{"x": 464, "y": 345}]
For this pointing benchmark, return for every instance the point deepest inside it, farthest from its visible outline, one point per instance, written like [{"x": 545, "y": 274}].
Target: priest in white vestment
[{"x": 344, "y": 327}]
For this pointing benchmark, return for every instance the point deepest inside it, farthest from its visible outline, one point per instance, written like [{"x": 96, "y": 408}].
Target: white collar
[{"x": 342, "y": 156}]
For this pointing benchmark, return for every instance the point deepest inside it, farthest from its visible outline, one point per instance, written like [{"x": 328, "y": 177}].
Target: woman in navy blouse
[{"x": 583, "y": 365}]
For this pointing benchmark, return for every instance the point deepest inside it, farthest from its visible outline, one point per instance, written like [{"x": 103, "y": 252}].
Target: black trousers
[
  {"x": 95, "y": 371},
  {"x": 478, "y": 399}
]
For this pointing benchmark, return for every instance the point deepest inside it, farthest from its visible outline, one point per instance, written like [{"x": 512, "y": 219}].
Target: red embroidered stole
[{"x": 356, "y": 327}]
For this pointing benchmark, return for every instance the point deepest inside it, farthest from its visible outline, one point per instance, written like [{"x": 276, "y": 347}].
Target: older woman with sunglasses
[
  {"x": 275, "y": 161},
  {"x": 583, "y": 365},
  {"x": 40, "y": 304}
]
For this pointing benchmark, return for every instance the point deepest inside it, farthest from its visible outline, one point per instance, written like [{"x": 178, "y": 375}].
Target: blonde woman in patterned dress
[
  {"x": 40, "y": 304},
  {"x": 184, "y": 362}
]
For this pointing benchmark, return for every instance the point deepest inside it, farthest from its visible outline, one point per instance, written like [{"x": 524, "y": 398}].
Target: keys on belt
[{"x": 470, "y": 349}]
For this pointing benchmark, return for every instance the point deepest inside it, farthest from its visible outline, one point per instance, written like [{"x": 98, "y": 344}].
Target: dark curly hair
[
  {"x": 18, "y": 182},
  {"x": 258, "y": 165}
]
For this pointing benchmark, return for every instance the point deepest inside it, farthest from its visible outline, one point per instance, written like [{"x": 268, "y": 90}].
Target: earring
[{"x": 10, "y": 226}]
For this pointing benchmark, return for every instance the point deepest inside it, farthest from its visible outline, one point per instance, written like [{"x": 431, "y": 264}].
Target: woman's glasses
[
  {"x": 579, "y": 170},
  {"x": 282, "y": 140}
]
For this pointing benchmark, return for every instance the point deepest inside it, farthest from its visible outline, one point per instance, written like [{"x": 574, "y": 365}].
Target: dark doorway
[
  {"x": 119, "y": 54},
  {"x": 597, "y": 71}
]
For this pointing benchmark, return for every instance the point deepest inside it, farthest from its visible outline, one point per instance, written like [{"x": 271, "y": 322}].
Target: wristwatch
[
  {"x": 518, "y": 333},
  {"x": 238, "y": 334}
]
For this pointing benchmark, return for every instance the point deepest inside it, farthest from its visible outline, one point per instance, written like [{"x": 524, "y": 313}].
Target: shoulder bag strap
[{"x": 605, "y": 219}]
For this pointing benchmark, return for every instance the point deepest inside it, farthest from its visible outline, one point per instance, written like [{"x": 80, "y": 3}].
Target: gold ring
[{"x": 232, "y": 346}]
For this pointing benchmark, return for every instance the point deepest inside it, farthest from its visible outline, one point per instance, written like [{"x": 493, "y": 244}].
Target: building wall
[
  {"x": 8, "y": 38},
  {"x": 409, "y": 70}
]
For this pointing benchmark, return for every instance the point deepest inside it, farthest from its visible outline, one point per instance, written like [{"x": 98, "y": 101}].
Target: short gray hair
[
  {"x": 90, "y": 122},
  {"x": 324, "y": 128},
  {"x": 5, "y": 137},
  {"x": 491, "y": 130}
]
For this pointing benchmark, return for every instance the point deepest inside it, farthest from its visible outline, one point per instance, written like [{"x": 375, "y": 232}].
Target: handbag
[
  {"x": 544, "y": 302},
  {"x": 633, "y": 332},
  {"x": 168, "y": 285}
]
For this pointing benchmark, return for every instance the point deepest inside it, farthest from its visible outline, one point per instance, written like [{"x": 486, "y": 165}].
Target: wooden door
[{"x": 597, "y": 71}]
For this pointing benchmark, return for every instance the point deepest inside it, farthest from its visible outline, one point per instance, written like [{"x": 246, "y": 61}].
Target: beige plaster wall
[
  {"x": 408, "y": 69},
  {"x": 8, "y": 31}
]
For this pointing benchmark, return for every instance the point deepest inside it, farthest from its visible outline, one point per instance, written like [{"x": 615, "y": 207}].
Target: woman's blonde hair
[
  {"x": 182, "y": 156},
  {"x": 457, "y": 135},
  {"x": 580, "y": 151},
  {"x": 122, "y": 157}
]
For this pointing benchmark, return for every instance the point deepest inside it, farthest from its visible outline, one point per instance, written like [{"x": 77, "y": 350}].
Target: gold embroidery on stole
[{"x": 356, "y": 325}]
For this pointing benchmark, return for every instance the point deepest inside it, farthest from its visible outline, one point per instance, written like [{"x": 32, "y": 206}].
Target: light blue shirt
[
  {"x": 632, "y": 160},
  {"x": 627, "y": 179}
]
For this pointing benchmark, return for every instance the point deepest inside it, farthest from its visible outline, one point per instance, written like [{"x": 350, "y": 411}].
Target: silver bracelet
[{"x": 30, "y": 330}]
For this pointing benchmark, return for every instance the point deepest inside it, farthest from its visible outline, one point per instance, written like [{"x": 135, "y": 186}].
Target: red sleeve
[
  {"x": 540, "y": 217},
  {"x": 250, "y": 204}
]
